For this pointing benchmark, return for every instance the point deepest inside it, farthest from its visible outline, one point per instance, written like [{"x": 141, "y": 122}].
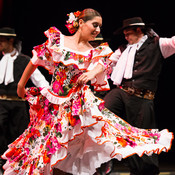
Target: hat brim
[
  {"x": 98, "y": 39},
  {"x": 120, "y": 30},
  {"x": 7, "y": 34}
]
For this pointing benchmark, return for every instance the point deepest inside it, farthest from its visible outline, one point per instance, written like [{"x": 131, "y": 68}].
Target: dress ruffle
[
  {"x": 53, "y": 98},
  {"x": 77, "y": 136},
  {"x": 69, "y": 127},
  {"x": 53, "y": 51}
]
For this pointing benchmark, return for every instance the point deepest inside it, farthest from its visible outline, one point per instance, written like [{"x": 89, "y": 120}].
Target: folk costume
[
  {"x": 136, "y": 76},
  {"x": 70, "y": 129},
  {"x": 14, "y": 117}
]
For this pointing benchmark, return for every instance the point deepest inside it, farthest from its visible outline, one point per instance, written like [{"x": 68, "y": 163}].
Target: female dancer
[{"x": 70, "y": 129}]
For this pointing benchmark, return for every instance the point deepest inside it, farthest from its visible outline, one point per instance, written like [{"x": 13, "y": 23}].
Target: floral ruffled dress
[{"x": 70, "y": 129}]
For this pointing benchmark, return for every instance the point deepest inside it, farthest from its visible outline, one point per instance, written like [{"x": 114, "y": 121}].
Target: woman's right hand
[{"x": 21, "y": 91}]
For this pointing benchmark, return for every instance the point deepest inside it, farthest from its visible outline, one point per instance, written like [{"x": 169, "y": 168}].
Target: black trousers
[
  {"x": 138, "y": 112},
  {"x": 14, "y": 119}
]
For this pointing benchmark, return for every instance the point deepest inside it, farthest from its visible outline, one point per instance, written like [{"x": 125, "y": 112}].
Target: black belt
[{"x": 142, "y": 93}]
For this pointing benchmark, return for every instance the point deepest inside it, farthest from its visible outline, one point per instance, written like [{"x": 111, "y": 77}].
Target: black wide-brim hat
[
  {"x": 131, "y": 22},
  {"x": 6, "y": 31}
]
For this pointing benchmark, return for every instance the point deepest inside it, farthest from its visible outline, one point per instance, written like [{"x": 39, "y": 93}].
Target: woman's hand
[
  {"x": 21, "y": 91},
  {"x": 85, "y": 77}
]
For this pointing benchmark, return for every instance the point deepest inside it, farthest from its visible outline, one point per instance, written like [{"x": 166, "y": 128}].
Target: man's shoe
[
  {"x": 1, "y": 171},
  {"x": 2, "y": 162}
]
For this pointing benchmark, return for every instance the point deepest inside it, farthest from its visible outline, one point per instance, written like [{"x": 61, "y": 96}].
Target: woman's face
[{"x": 91, "y": 28}]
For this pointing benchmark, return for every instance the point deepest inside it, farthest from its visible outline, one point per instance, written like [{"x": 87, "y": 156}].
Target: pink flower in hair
[{"x": 72, "y": 22}]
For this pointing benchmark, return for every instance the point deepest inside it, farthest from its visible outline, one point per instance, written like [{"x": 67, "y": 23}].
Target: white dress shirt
[
  {"x": 6, "y": 67},
  {"x": 167, "y": 47}
]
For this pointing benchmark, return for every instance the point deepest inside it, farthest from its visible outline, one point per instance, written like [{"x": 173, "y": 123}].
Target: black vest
[
  {"x": 20, "y": 64},
  {"x": 147, "y": 66}
]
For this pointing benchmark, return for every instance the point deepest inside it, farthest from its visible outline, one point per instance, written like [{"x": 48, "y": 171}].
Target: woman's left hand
[{"x": 85, "y": 77}]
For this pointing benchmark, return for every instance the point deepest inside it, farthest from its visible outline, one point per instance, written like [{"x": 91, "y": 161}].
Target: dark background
[{"x": 31, "y": 18}]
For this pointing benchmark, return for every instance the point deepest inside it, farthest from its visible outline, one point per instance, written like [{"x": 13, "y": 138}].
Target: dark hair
[
  {"x": 17, "y": 43},
  {"x": 85, "y": 15},
  {"x": 88, "y": 14},
  {"x": 145, "y": 30},
  {"x": 134, "y": 28}
]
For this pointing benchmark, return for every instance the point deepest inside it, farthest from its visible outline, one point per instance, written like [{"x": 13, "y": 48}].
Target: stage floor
[{"x": 167, "y": 167}]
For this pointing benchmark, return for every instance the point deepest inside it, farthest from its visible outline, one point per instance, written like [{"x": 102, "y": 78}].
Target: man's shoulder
[
  {"x": 21, "y": 55},
  {"x": 22, "y": 58}
]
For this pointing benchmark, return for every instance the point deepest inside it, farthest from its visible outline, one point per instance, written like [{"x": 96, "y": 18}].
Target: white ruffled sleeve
[
  {"x": 42, "y": 54},
  {"x": 101, "y": 56}
]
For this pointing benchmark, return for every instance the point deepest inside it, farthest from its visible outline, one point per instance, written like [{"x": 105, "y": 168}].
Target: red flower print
[
  {"x": 77, "y": 14},
  {"x": 121, "y": 141},
  {"x": 46, "y": 158},
  {"x": 11, "y": 152},
  {"x": 58, "y": 127},
  {"x": 101, "y": 106},
  {"x": 56, "y": 107},
  {"x": 57, "y": 87},
  {"x": 73, "y": 120}
]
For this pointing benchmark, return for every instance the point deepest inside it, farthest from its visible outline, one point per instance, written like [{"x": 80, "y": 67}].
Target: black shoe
[
  {"x": 1, "y": 171},
  {"x": 2, "y": 162}
]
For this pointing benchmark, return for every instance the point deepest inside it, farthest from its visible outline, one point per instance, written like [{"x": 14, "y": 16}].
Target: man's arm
[
  {"x": 167, "y": 46},
  {"x": 115, "y": 56}
]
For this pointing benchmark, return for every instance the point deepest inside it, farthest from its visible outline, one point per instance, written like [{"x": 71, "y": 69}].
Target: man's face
[
  {"x": 5, "y": 44},
  {"x": 131, "y": 35}
]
